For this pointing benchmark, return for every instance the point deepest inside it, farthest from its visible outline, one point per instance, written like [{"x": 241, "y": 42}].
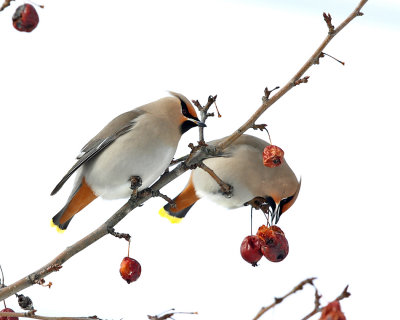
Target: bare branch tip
[
  {"x": 267, "y": 93},
  {"x": 198, "y": 105},
  {"x": 261, "y": 127},
  {"x": 5, "y": 4},
  {"x": 328, "y": 20},
  {"x": 302, "y": 80}
]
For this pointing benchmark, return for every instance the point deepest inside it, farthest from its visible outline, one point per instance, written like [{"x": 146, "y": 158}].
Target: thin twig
[
  {"x": 5, "y": 4},
  {"x": 168, "y": 315},
  {"x": 204, "y": 113},
  {"x": 300, "y": 286},
  {"x": 165, "y": 197},
  {"x": 317, "y": 304},
  {"x": 119, "y": 235},
  {"x": 226, "y": 189},
  {"x": 269, "y": 102},
  {"x": 32, "y": 315},
  {"x": 344, "y": 294}
]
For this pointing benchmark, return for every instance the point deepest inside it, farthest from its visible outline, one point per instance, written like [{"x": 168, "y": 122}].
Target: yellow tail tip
[
  {"x": 57, "y": 227},
  {"x": 164, "y": 213}
]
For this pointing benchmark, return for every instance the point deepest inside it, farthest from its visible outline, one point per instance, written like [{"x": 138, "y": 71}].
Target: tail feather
[
  {"x": 183, "y": 203},
  {"x": 80, "y": 198},
  {"x": 55, "y": 222}
]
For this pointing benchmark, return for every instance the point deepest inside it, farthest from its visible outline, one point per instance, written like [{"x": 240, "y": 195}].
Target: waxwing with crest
[
  {"x": 242, "y": 168},
  {"x": 138, "y": 143}
]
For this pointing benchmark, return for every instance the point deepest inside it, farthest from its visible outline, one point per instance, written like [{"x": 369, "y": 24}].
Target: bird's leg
[
  {"x": 136, "y": 183},
  {"x": 256, "y": 202},
  {"x": 259, "y": 203},
  {"x": 226, "y": 189}
]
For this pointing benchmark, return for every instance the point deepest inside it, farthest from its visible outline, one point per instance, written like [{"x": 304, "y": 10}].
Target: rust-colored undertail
[
  {"x": 184, "y": 201},
  {"x": 82, "y": 196}
]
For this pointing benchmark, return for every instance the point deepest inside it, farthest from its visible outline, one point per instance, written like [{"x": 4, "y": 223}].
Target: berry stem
[
  {"x": 129, "y": 246},
  {"x": 251, "y": 221},
  {"x": 219, "y": 115},
  {"x": 333, "y": 58}
]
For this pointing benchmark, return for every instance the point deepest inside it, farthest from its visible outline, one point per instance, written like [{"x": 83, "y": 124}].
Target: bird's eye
[{"x": 185, "y": 110}]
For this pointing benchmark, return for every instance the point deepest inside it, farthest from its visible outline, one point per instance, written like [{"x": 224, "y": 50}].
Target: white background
[{"x": 89, "y": 61}]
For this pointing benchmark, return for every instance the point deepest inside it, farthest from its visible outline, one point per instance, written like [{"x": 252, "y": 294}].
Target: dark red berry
[
  {"x": 8, "y": 318},
  {"x": 272, "y": 156},
  {"x": 25, "y": 18},
  {"x": 276, "y": 246},
  {"x": 130, "y": 269},
  {"x": 250, "y": 249},
  {"x": 332, "y": 311}
]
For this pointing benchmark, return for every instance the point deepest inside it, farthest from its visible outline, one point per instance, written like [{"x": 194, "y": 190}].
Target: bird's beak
[{"x": 197, "y": 122}]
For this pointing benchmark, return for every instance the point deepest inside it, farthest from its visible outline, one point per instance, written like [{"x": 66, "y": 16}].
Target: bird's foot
[{"x": 136, "y": 183}]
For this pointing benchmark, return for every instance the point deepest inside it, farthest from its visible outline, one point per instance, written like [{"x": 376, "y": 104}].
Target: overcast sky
[{"x": 89, "y": 61}]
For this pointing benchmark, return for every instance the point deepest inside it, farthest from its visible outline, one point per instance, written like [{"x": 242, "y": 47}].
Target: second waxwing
[
  {"x": 139, "y": 143},
  {"x": 242, "y": 168}
]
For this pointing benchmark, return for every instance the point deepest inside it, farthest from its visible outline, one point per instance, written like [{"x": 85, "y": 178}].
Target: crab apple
[
  {"x": 267, "y": 233},
  {"x": 276, "y": 246},
  {"x": 332, "y": 311},
  {"x": 25, "y": 18},
  {"x": 8, "y": 318},
  {"x": 130, "y": 269},
  {"x": 272, "y": 156},
  {"x": 250, "y": 249}
]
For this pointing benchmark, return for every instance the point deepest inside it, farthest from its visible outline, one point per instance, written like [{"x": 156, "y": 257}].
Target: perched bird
[
  {"x": 138, "y": 143},
  {"x": 242, "y": 168}
]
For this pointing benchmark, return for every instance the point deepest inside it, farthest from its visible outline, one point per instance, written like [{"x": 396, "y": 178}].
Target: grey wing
[{"x": 100, "y": 142}]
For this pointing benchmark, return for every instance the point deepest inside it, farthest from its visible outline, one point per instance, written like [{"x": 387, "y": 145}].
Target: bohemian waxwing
[
  {"x": 242, "y": 167},
  {"x": 141, "y": 142}
]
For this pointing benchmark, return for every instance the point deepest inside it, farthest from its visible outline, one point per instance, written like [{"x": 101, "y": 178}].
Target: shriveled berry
[
  {"x": 272, "y": 156},
  {"x": 276, "y": 246},
  {"x": 130, "y": 269},
  {"x": 250, "y": 249},
  {"x": 8, "y": 318},
  {"x": 332, "y": 311},
  {"x": 25, "y": 18}
]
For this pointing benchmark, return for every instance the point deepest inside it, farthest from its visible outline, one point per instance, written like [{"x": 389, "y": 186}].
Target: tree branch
[
  {"x": 5, "y": 4},
  {"x": 317, "y": 304},
  {"x": 196, "y": 156},
  {"x": 32, "y": 315},
  {"x": 97, "y": 234},
  {"x": 292, "y": 82},
  {"x": 277, "y": 301},
  {"x": 226, "y": 189}
]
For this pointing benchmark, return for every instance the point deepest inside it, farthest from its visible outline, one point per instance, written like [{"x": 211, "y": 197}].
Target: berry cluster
[{"x": 269, "y": 242}]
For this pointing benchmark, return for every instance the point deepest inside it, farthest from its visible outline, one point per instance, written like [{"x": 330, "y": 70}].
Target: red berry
[
  {"x": 332, "y": 311},
  {"x": 25, "y": 18},
  {"x": 130, "y": 269},
  {"x": 272, "y": 156},
  {"x": 8, "y": 318},
  {"x": 250, "y": 249},
  {"x": 276, "y": 246}
]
